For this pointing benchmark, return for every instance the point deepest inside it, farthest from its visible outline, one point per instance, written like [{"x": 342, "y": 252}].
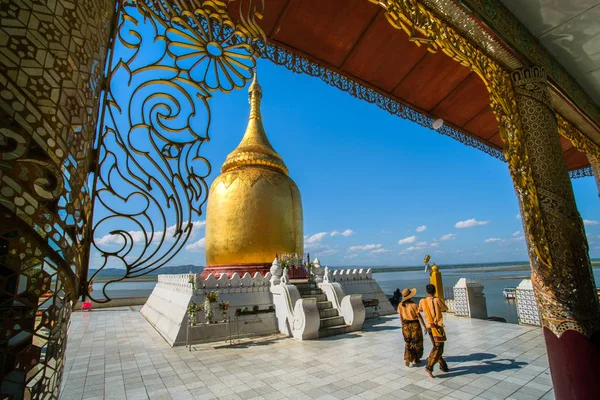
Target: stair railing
[
  {"x": 296, "y": 317},
  {"x": 349, "y": 306}
]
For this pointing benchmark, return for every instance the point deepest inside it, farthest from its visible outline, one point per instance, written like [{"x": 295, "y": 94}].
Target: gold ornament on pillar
[
  {"x": 254, "y": 209},
  {"x": 416, "y": 19},
  {"x": 566, "y": 296},
  {"x": 535, "y": 200},
  {"x": 577, "y": 139}
]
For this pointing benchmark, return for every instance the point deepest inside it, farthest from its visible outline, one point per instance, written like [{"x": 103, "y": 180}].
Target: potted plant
[
  {"x": 192, "y": 311},
  {"x": 284, "y": 264},
  {"x": 223, "y": 306},
  {"x": 192, "y": 280},
  {"x": 209, "y": 301}
]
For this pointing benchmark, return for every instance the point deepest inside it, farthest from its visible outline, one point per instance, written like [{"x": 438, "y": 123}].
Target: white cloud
[
  {"x": 588, "y": 222},
  {"x": 517, "y": 233},
  {"x": 435, "y": 244},
  {"x": 351, "y": 256},
  {"x": 409, "y": 250},
  {"x": 139, "y": 237},
  {"x": 317, "y": 237},
  {"x": 470, "y": 223},
  {"x": 422, "y": 228},
  {"x": 450, "y": 236},
  {"x": 200, "y": 245},
  {"x": 326, "y": 252},
  {"x": 417, "y": 247},
  {"x": 492, "y": 240},
  {"x": 407, "y": 240},
  {"x": 378, "y": 251},
  {"x": 346, "y": 233},
  {"x": 518, "y": 216},
  {"x": 365, "y": 247},
  {"x": 386, "y": 231}
]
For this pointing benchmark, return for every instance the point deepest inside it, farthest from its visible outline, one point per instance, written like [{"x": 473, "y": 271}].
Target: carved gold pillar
[
  {"x": 52, "y": 57},
  {"x": 563, "y": 283}
]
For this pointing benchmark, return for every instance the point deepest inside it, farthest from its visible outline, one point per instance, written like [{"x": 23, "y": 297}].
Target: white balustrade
[
  {"x": 351, "y": 275},
  {"x": 182, "y": 281}
]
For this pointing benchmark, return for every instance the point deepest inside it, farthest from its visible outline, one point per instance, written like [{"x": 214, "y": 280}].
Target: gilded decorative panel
[
  {"x": 51, "y": 70},
  {"x": 169, "y": 57}
]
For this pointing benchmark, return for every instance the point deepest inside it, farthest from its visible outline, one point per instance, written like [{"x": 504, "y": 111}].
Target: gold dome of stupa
[{"x": 254, "y": 208}]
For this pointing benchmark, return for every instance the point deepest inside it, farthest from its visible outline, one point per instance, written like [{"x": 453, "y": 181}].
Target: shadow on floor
[
  {"x": 470, "y": 357},
  {"x": 484, "y": 368},
  {"x": 377, "y": 328},
  {"x": 352, "y": 335},
  {"x": 248, "y": 343},
  {"x": 372, "y": 325}
]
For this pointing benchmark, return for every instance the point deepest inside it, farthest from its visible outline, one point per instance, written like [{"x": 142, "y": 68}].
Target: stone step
[
  {"x": 307, "y": 286},
  {"x": 322, "y": 305},
  {"x": 310, "y": 291},
  {"x": 329, "y": 312},
  {"x": 331, "y": 321},
  {"x": 333, "y": 330},
  {"x": 319, "y": 297}
]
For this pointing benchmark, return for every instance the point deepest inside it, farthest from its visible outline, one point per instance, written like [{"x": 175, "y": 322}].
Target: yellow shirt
[
  {"x": 432, "y": 308},
  {"x": 408, "y": 311}
]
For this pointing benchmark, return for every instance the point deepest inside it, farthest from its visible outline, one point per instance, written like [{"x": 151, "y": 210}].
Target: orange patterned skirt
[{"x": 413, "y": 339}]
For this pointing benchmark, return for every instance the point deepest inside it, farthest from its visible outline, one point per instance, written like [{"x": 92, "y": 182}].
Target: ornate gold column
[
  {"x": 563, "y": 283},
  {"x": 558, "y": 250},
  {"x": 52, "y": 56}
]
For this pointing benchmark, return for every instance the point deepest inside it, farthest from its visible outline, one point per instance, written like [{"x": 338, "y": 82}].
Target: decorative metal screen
[{"x": 169, "y": 56}]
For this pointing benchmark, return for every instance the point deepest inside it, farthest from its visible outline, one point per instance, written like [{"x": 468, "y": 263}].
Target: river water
[{"x": 494, "y": 280}]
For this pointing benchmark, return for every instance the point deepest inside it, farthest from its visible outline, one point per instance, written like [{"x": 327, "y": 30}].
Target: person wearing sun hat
[{"x": 412, "y": 324}]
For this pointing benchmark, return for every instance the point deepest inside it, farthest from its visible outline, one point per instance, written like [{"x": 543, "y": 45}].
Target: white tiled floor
[{"x": 116, "y": 354}]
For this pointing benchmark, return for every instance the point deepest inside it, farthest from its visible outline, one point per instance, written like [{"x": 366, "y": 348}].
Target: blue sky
[{"x": 376, "y": 189}]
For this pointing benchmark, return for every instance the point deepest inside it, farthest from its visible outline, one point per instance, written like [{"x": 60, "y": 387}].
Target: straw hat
[{"x": 408, "y": 293}]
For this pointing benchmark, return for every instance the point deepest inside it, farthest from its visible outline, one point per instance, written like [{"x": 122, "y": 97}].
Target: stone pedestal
[
  {"x": 469, "y": 299},
  {"x": 527, "y": 308}
]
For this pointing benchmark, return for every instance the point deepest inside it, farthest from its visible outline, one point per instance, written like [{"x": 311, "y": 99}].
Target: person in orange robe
[{"x": 432, "y": 307}]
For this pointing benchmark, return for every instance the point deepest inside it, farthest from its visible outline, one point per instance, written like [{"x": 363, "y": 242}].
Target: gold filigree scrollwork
[
  {"x": 416, "y": 19},
  {"x": 169, "y": 57},
  {"x": 578, "y": 139},
  {"x": 412, "y": 16}
]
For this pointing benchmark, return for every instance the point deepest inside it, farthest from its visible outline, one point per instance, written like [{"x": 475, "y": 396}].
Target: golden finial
[
  {"x": 255, "y": 148},
  {"x": 254, "y": 97}
]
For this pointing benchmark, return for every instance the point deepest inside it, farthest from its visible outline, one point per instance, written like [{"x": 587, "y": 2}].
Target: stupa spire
[{"x": 255, "y": 148}]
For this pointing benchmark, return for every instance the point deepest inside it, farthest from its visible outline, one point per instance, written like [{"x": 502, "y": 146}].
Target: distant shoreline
[{"x": 451, "y": 269}]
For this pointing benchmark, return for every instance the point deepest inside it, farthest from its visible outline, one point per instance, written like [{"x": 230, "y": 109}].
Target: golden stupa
[{"x": 254, "y": 208}]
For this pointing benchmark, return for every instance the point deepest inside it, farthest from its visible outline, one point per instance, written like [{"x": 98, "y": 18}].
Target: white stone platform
[{"x": 117, "y": 354}]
